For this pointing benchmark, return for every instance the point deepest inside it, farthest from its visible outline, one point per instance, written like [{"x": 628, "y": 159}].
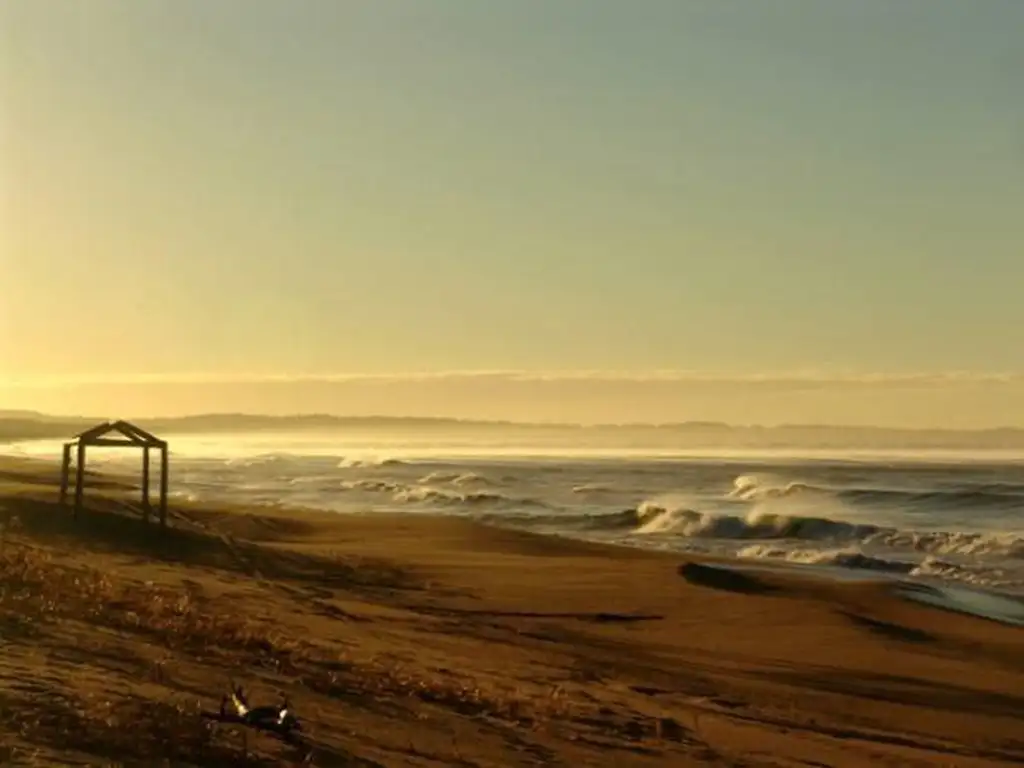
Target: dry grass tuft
[
  {"x": 463, "y": 695},
  {"x": 33, "y": 588},
  {"x": 38, "y": 594},
  {"x": 127, "y": 729}
]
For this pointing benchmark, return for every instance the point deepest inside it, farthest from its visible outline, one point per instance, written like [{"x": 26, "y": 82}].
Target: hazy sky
[{"x": 250, "y": 187}]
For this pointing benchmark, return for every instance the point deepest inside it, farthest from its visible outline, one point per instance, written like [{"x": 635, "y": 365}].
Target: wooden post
[
  {"x": 65, "y": 471},
  {"x": 79, "y": 478},
  {"x": 163, "y": 485},
  {"x": 145, "y": 483}
]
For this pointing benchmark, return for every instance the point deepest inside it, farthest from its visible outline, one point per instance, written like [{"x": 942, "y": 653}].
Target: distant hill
[
  {"x": 18, "y": 428},
  {"x": 27, "y": 425}
]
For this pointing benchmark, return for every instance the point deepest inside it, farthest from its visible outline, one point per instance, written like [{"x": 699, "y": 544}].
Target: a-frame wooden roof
[{"x": 119, "y": 433}]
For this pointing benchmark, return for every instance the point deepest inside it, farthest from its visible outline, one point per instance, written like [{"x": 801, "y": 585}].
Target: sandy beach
[{"x": 422, "y": 641}]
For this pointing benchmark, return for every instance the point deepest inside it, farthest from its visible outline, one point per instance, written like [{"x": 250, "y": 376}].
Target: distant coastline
[{"x": 18, "y": 426}]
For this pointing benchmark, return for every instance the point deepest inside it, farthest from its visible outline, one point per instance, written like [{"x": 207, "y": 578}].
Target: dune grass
[{"x": 40, "y": 594}]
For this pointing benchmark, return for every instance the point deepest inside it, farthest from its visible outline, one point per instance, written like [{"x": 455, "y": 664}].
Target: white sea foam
[
  {"x": 592, "y": 488},
  {"x": 358, "y": 462}
]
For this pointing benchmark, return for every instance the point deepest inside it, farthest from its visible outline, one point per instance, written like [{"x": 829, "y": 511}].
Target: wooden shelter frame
[{"x": 115, "y": 434}]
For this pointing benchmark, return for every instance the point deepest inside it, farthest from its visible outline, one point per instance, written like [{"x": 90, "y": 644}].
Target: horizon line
[{"x": 22, "y": 414}]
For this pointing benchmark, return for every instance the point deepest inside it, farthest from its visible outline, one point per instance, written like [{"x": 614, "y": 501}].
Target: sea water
[{"x": 940, "y": 518}]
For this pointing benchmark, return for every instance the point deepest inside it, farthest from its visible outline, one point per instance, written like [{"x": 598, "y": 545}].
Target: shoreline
[{"x": 989, "y": 603}]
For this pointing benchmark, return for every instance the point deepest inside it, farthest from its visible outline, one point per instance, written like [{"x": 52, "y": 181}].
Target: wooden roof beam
[
  {"x": 139, "y": 434},
  {"x": 92, "y": 432}
]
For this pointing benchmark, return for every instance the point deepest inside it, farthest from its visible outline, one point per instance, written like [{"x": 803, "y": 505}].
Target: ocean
[{"x": 926, "y": 516}]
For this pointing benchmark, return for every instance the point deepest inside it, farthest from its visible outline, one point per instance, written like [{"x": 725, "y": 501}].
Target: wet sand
[{"x": 404, "y": 640}]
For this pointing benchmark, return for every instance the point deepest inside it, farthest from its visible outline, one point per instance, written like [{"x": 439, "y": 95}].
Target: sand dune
[{"x": 404, "y": 640}]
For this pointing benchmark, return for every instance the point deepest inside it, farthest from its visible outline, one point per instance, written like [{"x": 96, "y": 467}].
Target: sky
[{"x": 732, "y": 191}]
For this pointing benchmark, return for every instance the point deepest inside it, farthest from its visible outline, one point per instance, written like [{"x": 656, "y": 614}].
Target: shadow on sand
[
  {"x": 724, "y": 579},
  {"x": 106, "y": 528}
]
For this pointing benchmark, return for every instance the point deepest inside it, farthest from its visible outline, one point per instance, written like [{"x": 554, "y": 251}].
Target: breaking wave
[
  {"x": 655, "y": 517},
  {"x": 843, "y": 558},
  {"x": 974, "y": 574},
  {"x": 458, "y": 479},
  {"x": 359, "y": 462},
  {"x": 594, "y": 488},
  {"x": 443, "y": 496},
  {"x": 831, "y": 537},
  {"x": 403, "y": 493},
  {"x": 976, "y": 496},
  {"x": 624, "y": 521},
  {"x": 760, "y": 487},
  {"x": 960, "y": 543},
  {"x": 370, "y": 485}
]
